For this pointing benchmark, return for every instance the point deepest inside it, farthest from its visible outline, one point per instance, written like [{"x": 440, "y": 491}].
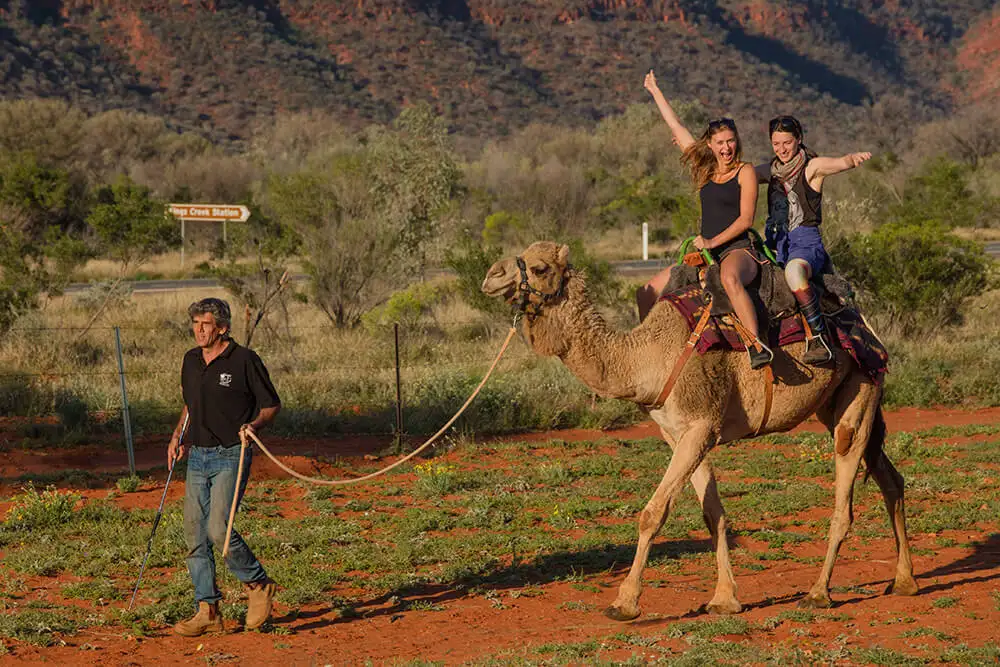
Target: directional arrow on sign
[{"x": 210, "y": 212}]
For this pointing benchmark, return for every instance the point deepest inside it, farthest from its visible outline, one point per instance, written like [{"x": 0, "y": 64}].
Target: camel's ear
[{"x": 563, "y": 255}]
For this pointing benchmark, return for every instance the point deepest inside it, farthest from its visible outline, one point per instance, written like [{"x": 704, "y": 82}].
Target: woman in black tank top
[{"x": 728, "y": 192}]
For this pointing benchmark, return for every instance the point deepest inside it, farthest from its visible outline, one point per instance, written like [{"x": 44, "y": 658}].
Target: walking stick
[{"x": 156, "y": 519}]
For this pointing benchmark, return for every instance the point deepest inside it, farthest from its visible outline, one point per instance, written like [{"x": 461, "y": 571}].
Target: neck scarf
[{"x": 787, "y": 175}]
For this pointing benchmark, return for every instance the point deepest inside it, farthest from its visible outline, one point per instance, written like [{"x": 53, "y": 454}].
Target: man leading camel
[{"x": 226, "y": 390}]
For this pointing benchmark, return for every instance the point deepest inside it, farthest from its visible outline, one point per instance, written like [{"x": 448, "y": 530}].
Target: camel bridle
[{"x": 524, "y": 304}]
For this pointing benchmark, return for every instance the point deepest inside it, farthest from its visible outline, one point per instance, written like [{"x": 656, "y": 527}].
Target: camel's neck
[{"x": 625, "y": 365}]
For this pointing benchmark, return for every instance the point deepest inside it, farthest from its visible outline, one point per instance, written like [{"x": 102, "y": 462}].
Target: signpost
[{"x": 208, "y": 213}]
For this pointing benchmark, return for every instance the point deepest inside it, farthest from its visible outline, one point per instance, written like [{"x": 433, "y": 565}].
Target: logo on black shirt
[{"x": 225, "y": 379}]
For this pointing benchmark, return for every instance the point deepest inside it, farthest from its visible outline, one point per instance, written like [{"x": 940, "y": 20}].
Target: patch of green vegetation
[
  {"x": 929, "y": 632},
  {"x": 574, "y": 651},
  {"x": 963, "y": 654},
  {"x": 702, "y": 631},
  {"x": 38, "y": 627},
  {"x": 97, "y": 591},
  {"x": 128, "y": 484},
  {"x": 884, "y": 656},
  {"x": 944, "y": 602}
]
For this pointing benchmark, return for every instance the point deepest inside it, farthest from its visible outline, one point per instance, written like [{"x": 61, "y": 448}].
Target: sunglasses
[
  {"x": 785, "y": 124},
  {"x": 722, "y": 122}
]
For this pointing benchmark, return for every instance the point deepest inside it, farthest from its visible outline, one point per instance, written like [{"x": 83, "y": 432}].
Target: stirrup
[
  {"x": 816, "y": 355},
  {"x": 760, "y": 357}
]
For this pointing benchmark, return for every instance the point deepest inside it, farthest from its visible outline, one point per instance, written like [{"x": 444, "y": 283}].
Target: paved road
[{"x": 630, "y": 267}]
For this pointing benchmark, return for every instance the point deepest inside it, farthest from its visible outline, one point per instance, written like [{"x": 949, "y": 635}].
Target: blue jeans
[{"x": 211, "y": 480}]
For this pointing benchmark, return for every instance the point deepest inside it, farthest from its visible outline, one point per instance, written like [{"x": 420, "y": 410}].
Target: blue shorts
[{"x": 802, "y": 243}]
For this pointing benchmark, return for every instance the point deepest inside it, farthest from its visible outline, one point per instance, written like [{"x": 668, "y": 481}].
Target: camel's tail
[{"x": 876, "y": 443}]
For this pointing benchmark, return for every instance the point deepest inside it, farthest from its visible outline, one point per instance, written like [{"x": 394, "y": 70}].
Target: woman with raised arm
[
  {"x": 728, "y": 190},
  {"x": 794, "y": 196}
]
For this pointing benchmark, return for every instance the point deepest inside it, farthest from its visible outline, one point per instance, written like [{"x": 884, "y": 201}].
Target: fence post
[
  {"x": 126, "y": 419},
  {"x": 399, "y": 390},
  {"x": 645, "y": 241}
]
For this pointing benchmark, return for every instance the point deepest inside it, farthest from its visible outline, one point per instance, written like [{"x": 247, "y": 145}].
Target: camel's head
[{"x": 531, "y": 280}]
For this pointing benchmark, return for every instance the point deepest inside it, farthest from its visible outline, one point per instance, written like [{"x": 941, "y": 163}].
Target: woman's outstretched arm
[
  {"x": 821, "y": 167},
  {"x": 682, "y": 137}
]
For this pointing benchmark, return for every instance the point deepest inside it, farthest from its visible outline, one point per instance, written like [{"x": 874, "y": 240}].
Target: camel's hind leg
[
  {"x": 850, "y": 419},
  {"x": 891, "y": 484},
  {"x": 688, "y": 455}
]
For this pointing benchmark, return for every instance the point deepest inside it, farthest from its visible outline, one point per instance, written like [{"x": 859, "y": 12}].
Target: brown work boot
[
  {"x": 208, "y": 619},
  {"x": 260, "y": 594}
]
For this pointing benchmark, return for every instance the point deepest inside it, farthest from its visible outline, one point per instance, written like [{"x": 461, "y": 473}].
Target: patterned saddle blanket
[{"x": 851, "y": 333}]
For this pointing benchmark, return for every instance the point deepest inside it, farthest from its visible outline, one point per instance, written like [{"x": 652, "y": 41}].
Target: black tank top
[{"x": 720, "y": 207}]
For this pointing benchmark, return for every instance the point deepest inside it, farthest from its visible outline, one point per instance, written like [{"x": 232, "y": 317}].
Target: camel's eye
[{"x": 540, "y": 270}]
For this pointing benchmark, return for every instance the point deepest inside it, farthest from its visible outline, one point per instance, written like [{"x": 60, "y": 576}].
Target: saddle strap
[
  {"x": 768, "y": 397},
  {"x": 686, "y": 353},
  {"x": 749, "y": 339}
]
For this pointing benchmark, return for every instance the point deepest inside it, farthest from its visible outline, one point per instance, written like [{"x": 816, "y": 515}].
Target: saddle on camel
[{"x": 695, "y": 290}]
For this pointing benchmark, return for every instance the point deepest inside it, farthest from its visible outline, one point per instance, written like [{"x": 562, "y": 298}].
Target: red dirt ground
[{"x": 473, "y": 626}]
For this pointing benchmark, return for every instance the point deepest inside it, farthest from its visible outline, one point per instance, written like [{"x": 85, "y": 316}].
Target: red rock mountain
[{"x": 223, "y": 66}]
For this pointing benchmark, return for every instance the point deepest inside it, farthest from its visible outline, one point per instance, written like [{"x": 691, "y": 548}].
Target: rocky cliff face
[{"x": 223, "y": 66}]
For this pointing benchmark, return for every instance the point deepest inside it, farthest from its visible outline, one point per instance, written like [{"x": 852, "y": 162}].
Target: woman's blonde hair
[{"x": 699, "y": 158}]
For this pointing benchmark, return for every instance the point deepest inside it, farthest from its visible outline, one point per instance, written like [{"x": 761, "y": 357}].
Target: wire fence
[{"x": 365, "y": 375}]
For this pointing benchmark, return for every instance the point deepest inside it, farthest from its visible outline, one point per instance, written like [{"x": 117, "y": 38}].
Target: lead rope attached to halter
[{"x": 244, "y": 434}]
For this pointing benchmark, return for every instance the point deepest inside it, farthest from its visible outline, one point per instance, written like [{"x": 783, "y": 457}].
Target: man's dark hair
[{"x": 217, "y": 308}]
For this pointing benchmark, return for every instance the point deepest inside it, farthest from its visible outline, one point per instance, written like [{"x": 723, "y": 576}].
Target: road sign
[{"x": 210, "y": 212}]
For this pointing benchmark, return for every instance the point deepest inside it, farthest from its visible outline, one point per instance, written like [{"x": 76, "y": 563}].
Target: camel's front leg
[
  {"x": 688, "y": 454},
  {"x": 703, "y": 480}
]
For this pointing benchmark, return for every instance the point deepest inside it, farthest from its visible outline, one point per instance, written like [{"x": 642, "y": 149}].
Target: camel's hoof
[
  {"x": 725, "y": 608},
  {"x": 903, "y": 587},
  {"x": 813, "y": 601},
  {"x": 618, "y": 614}
]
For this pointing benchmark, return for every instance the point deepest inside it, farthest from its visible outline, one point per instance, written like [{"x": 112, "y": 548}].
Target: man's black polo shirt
[{"x": 225, "y": 394}]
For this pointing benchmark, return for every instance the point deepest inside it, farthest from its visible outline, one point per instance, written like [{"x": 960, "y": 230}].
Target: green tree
[
  {"x": 131, "y": 225},
  {"x": 366, "y": 209},
  {"x": 35, "y": 197},
  {"x": 916, "y": 275},
  {"x": 939, "y": 193},
  {"x": 40, "y": 240}
]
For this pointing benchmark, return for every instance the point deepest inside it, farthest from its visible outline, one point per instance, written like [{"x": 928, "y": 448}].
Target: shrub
[
  {"x": 101, "y": 294},
  {"x": 405, "y": 307},
  {"x": 435, "y": 479},
  {"x": 471, "y": 260},
  {"x": 32, "y": 509},
  {"x": 917, "y": 275},
  {"x": 72, "y": 410},
  {"x": 128, "y": 484}
]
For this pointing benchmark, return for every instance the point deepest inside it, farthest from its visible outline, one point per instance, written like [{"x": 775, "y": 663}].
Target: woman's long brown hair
[{"x": 699, "y": 158}]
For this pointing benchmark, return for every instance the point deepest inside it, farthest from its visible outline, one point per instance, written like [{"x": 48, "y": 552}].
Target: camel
[{"x": 717, "y": 399}]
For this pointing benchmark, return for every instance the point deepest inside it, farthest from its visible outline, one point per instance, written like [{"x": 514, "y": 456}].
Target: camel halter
[
  {"x": 248, "y": 433},
  {"x": 532, "y": 310}
]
